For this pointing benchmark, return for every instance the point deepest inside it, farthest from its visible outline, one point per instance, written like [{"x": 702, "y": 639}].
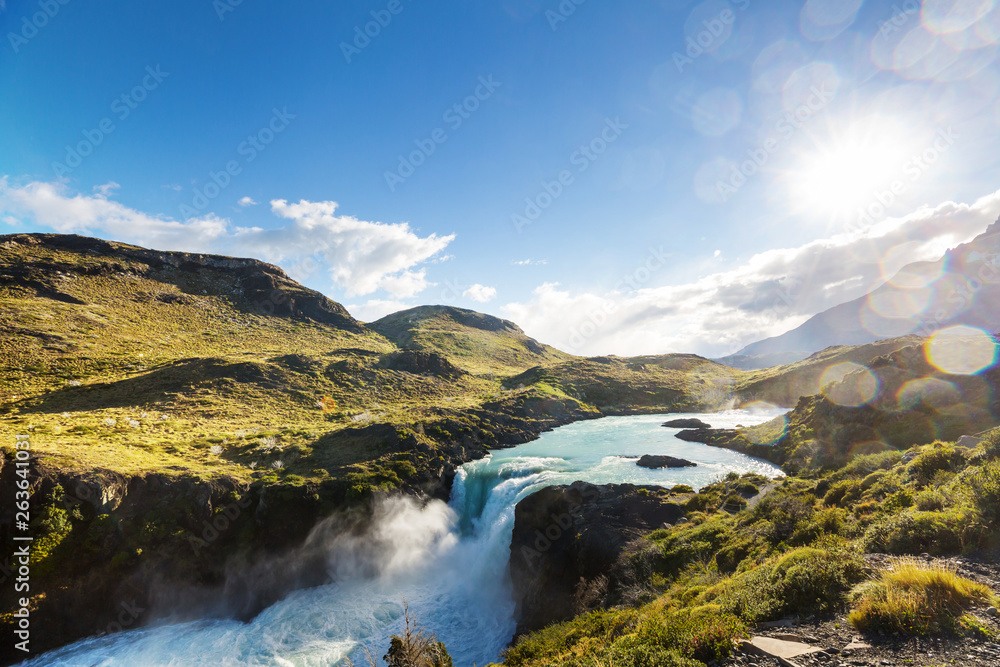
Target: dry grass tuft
[{"x": 916, "y": 598}]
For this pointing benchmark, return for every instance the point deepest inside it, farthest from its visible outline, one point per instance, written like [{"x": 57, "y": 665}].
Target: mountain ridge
[{"x": 960, "y": 288}]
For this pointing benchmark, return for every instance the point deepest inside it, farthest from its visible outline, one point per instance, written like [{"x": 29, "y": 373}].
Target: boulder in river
[
  {"x": 657, "y": 461},
  {"x": 686, "y": 423}
]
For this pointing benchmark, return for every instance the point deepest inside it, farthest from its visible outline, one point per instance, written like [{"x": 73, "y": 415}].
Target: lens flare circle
[
  {"x": 849, "y": 384},
  {"x": 962, "y": 350},
  {"x": 935, "y": 392}
]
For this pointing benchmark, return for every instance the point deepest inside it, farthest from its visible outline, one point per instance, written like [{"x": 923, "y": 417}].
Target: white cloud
[
  {"x": 103, "y": 191},
  {"x": 361, "y": 257},
  {"x": 406, "y": 284},
  {"x": 480, "y": 293},
  {"x": 530, "y": 262},
  {"x": 246, "y": 201},
  {"x": 50, "y": 205},
  {"x": 769, "y": 294}
]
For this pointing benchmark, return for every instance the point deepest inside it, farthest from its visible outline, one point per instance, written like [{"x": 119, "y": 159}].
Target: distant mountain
[
  {"x": 473, "y": 341},
  {"x": 963, "y": 287}
]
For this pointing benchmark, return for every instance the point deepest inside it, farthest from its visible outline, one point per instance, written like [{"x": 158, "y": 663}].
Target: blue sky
[{"x": 662, "y": 236}]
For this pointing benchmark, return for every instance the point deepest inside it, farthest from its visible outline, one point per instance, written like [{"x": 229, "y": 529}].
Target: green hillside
[{"x": 480, "y": 344}]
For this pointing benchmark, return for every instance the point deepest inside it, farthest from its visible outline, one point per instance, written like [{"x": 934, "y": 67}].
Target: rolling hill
[{"x": 480, "y": 344}]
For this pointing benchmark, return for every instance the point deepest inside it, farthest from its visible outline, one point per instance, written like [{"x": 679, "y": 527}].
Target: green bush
[
  {"x": 936, "y": 458},
  {"x": 784, "y": 513},
  {"x": 702, "y": 502},
  {"x": 705, "y": 636},
  {"x": 866, "y": 464},
  {"x": 631, "y": 651},
  {"x": 915, "y": 532},
  {"x": 803, "y": 581},
  {"x": 991, "y": 444},
  {"x": 985, "y": 484},
  {"x": 930, "y": 500},
  {"x": 828, "y": 522},
  {"x": 843, "y": 494},
  {"x": 682, "y": 546}
]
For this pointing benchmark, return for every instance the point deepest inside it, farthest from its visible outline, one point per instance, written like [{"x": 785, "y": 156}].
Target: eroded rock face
[
  {"x": 656, "y": 461},
  {"x": 567, "y": 540}
]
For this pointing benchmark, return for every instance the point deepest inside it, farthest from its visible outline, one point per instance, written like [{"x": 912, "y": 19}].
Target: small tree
[{"x": 416, "y": 648}]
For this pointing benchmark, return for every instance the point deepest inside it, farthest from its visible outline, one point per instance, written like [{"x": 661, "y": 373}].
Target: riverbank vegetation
[{"x": 806, "y": 549}]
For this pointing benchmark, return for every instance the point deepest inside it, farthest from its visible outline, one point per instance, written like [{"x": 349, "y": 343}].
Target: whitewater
[{"x": 447, "y": 561}]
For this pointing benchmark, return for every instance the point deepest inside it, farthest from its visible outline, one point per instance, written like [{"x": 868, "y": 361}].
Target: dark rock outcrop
[
  {"x": 658, "y": 461},
  {"x": 686, "y": 423},
  {"x": 423, "y": 363},
  {"x": 567, "y": 540}
]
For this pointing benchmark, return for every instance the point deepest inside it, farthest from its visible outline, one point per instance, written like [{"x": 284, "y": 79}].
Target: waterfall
[{"x": 448, "y": 561}]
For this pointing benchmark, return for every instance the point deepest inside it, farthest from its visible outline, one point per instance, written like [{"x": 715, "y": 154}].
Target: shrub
[
  {"x": 681, "y": 488},
  {"x": 729, "y": 557},
  {"x": 702, "y": 502},
  {"x": 734, "y": 502},
  {"x": 843, "y": 494},
  {"x": 985, "y": 484},
  {"x": 630, "y": 651},
  {"x": 682, "y": 546},
  {"x": 915, "y": 599},
  {"x": 706, "y": 636},
  {"x": 548, "y": 645},
  {"x": 929, "y": 500},
  {"x": 803, "y": 581},
  {"x": 784, "y": 513},
  {"x": 828, "y": 522},
  {"x": 414, "y": 648},
  {"x": 991, "y": 444},
  {"x": 915, "y": 532},
  {"x": 866, "y": 464},
  {"x": 936, "y": 458}
]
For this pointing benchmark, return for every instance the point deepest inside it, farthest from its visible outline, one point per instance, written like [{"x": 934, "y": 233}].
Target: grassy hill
[
  {"x": 480, "y": 344},
  {"x": 784, "y": 385},
  {"x": 618, "y": 385},
  {"x": 119, "y": 357}
]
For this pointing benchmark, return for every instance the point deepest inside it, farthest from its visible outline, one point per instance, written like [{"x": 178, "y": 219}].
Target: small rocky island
[
  {"x": 657, "y": 461},
  {"x": 686, "y": 423}
]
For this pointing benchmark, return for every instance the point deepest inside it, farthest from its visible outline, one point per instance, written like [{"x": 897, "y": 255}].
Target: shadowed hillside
[{"x": 481, "y": 344}]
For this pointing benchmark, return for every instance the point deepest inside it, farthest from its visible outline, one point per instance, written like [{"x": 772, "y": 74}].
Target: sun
[{"x": 846, "y": 171}]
